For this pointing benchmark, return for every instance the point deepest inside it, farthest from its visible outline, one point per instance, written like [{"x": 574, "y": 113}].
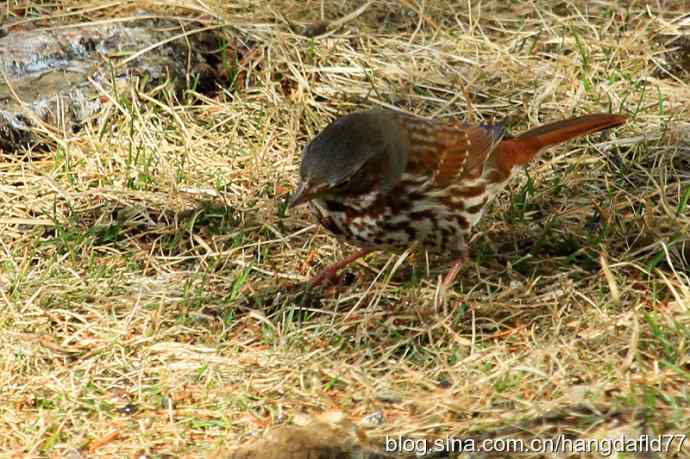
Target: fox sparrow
[{"x": 381, "y": 179}]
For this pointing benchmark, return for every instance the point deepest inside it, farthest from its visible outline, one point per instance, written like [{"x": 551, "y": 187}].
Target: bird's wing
[{"x": 448, "y": 152}]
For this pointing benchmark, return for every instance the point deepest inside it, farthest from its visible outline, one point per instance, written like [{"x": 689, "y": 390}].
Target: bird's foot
[{"x": 331, "y": 273}]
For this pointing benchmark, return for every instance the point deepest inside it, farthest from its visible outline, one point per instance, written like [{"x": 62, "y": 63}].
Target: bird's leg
[
  {"x": 330, "y": 272},
  {"x": 452, "y": 273},
  {"x": 447, "y": 282},
  {"x": 455, "y": 267}
]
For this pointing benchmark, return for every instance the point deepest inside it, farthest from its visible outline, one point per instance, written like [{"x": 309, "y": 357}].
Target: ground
[{"x": 150, "y": 273}]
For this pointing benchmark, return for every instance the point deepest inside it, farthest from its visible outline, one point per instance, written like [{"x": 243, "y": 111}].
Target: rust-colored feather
[
  {"x": 522, "y": 149},
  {"x": 456, "y": 152}
]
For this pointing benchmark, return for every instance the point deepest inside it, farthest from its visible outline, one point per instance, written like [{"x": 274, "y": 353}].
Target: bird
[{"x": 384, "y": 180}]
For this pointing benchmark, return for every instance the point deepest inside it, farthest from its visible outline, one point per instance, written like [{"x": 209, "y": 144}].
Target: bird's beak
[{"x": 303, "y": 194}]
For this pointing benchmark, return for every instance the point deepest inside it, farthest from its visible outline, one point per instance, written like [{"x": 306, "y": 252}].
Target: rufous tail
[{"x": 520, "y": 150}]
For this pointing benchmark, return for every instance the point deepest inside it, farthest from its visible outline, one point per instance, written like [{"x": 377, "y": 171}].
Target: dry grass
[{"x": 139, "y": 255}]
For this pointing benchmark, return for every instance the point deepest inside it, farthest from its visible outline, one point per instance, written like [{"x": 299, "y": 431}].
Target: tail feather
[{"x": 522, "y": 149}]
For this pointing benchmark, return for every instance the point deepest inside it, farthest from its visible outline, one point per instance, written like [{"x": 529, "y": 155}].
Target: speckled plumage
[
  {"x": 425, "y": 204},
  {"x": 384, "y": 180}
]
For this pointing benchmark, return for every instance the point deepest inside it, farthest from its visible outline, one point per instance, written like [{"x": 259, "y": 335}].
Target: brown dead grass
[{"x": 140, "y": 257}]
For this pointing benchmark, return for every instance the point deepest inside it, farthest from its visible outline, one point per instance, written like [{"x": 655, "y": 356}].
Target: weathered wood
[{"x": 58, "y": 78}]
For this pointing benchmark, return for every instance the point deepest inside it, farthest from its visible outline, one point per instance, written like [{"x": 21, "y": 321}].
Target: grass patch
[{"x": 148, "y": 264}]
